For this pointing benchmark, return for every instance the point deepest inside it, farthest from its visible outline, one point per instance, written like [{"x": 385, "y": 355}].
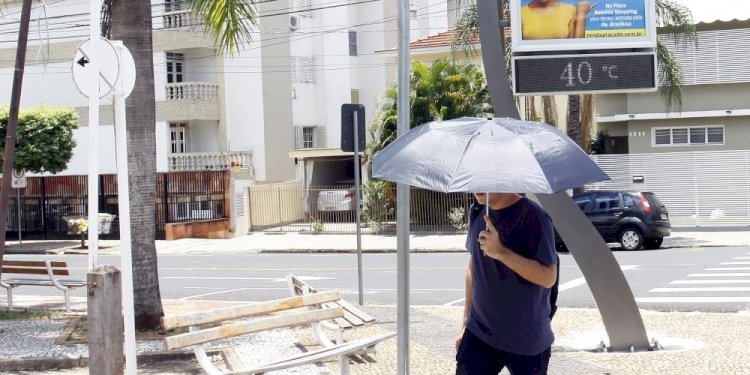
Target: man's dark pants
[{"x": 474, "y": 357}]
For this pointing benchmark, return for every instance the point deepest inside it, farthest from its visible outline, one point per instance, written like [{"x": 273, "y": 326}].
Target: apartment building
[{"x": 267, "y": 107}]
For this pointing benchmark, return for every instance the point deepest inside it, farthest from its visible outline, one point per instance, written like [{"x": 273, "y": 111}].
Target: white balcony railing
[
  {"x": 179, "y": 18},
  {"x": 240, "y": 161},
  {"x": 192, "y": 91}
]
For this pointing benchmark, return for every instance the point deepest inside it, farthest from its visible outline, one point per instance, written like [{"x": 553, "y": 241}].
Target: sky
[{"x": 712, "y": 10}]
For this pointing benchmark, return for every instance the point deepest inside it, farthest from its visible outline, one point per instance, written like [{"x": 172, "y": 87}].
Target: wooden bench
[
  {"x": 201, "y": 331},
  {"x": 45, "y": 272},
  {"x": 353, "y": 317}
]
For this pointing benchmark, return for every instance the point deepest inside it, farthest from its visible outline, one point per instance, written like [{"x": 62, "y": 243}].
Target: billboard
[{"x": 554, "y": 25}]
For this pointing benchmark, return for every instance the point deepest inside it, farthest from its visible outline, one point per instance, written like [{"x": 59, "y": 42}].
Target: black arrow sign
[{"x": 83, "y": 61}]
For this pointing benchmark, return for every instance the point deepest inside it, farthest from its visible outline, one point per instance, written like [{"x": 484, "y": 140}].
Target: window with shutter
[{"x": 688, "y": 136}]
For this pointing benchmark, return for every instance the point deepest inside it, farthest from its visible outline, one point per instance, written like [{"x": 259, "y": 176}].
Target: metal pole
[
  {"x": 126, "y": 256},
  {"x": 402, "y": 195},
  {"x": 93, "y": 180},
  {"x": 10, "y": 133},
  {"x": 18, "y": 202},
  {"x": 357, "y": 198}
]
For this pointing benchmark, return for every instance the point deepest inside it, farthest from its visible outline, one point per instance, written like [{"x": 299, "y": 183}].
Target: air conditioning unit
[{"x": 293, "y": 22}]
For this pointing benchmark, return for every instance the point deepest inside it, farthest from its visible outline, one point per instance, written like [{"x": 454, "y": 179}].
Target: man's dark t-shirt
[{"x": 508, "y": 312}]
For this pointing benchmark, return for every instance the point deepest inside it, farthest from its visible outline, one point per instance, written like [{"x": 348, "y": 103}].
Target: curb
[{"x": 60, "y": 363}]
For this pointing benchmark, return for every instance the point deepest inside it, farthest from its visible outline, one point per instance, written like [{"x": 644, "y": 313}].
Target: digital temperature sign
[{"x": 611, "y": 72}]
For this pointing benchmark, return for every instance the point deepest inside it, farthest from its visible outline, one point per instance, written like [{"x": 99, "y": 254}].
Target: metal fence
[
  {"x": 700, "y": 189},
  {"x": 293, "y": 208},
  {"x": 180, "y": 197}
]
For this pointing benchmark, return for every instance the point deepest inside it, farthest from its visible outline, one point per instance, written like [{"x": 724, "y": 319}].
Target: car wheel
[
  {"x": 653, "y": 243},
  {"x": 631, "y": 239}
]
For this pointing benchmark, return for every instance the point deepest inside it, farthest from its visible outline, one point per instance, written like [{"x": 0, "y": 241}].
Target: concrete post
[{"x": 104, "y": 321}]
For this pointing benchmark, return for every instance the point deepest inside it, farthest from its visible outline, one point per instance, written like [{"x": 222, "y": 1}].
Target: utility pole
[{"x": 10, "y": 133}]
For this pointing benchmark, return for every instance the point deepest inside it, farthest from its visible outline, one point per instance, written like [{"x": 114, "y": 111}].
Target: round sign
[
  {"x": 105, "y": 56},
  {"x": 127, "y": 70},
  {"x": 19, "y": 173}
]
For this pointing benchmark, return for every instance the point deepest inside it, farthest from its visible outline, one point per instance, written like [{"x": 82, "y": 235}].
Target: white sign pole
[
  {"x": 121, "y": 150},
  {"x": 93, "y": 180}
]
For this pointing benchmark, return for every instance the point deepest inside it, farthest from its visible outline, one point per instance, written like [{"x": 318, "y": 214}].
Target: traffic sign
[
  {"x": 106, "y": 57},
  {"x": 19, "y": 179},
  {"x": 348, "y": 114}
]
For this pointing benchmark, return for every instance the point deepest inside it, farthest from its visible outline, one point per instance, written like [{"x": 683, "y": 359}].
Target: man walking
[{"x": 512, "y": 267}]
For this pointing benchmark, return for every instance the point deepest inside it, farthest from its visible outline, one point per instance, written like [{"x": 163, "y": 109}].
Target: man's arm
[{"x": 530, "y": 269}]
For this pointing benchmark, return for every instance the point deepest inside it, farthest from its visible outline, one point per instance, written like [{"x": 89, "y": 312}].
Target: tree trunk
[
  {"x": 574, "y": 118},
  {"x": 574, "y": 125},
  {"x": 587, "y": 121},
  {"x": 550, "y": 110},
  {"x": 131, "y": 23},
  {"x": 530, "y": 102}
]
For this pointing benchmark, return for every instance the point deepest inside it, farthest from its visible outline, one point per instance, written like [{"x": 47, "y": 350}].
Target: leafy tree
[
  {"x": 45, "y": 138},
  {"x": 442, "y": 91}
]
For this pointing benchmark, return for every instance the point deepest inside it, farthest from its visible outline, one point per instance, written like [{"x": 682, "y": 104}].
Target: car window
[
  {"x": 583, "y": 201},
  {"x": 628, "y": 201},
  {"x": 606, "y": 201}
]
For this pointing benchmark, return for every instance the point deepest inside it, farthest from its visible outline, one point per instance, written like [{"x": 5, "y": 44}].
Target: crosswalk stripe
[
  {"x": 741, "y": 258},
  {"x": 710, "y": 282},
  {"x": 733, "y": 263},
  {"x": 691, "y": 299},
  {"x": 729, "y": 269},
  {"x": 706, "y": 289},
  {"x": 719, "y": 274}
]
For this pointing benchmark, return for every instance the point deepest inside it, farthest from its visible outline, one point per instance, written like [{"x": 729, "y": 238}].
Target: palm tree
[
  {"x": 231, "y": 23},
  {"x": 442, "y": 91},
  {"x": 672, "y": 18}
]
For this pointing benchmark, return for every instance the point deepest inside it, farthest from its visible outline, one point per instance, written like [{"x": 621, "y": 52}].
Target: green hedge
[{"x": 45, "y": 138}]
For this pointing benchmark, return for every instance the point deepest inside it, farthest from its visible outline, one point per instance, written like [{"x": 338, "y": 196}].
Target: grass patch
[{"x": 29, "y": 314}]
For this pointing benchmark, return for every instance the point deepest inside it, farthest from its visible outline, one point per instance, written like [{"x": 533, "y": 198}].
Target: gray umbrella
[{"x": 486, "y": 155}]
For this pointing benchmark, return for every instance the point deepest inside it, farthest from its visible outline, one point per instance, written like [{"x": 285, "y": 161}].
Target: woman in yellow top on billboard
[{"x": 553, "y": 19}]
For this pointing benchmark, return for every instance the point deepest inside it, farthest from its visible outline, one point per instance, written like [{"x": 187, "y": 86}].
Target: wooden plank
[
  {"x": 341, "y": 322},
  {"x": 237, "y": 329},
  {"x": 35, "y": 271},
  {"x": 318, "y": 355},
  {"x": 33, "y": 263},
  {"x": 234, "y": 312},
  {"x": 365, "y": 317}
]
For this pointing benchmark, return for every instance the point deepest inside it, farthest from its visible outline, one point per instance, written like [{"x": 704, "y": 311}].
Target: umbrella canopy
[{"x": 487, "y": 155}]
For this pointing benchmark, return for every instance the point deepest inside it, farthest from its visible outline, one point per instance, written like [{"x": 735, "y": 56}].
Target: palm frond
[
  {"x": 671, "y": 77},
  {"x": 675, "y": 20},
  {"x": 229, "y": 21},
  {"x": 466, "y": 37}
]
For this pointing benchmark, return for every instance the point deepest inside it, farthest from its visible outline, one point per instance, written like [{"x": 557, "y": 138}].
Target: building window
[
  {"x": 303, "y": 69},
  {"x": 688, "y": 136},
  {"x": 352, "y": 43},
  {"x": 308, "y": 137},
  {"x": 175, "y": 64},
  {"x": 177, "y": 138},
  {"x": 413, "y": 11},
  {"x": 172, "y": 5}
]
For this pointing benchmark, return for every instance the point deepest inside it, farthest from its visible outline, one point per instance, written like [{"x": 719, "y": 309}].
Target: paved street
[{"x": 676, "y": 279}]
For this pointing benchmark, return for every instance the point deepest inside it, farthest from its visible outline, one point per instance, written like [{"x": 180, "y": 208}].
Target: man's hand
[
  {"x": 460, "y": 337},
  {"x": 489, "y": 241},
  {"x": 583, "y": 8}
]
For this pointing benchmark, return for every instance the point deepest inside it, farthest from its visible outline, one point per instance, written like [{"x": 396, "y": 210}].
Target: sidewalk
[
  {"x": 270, "y": 242},
  {"x": 694, "y": 343}
]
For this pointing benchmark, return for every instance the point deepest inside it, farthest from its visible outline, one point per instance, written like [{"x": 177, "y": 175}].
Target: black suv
[{"x": 633, "y": 219}]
